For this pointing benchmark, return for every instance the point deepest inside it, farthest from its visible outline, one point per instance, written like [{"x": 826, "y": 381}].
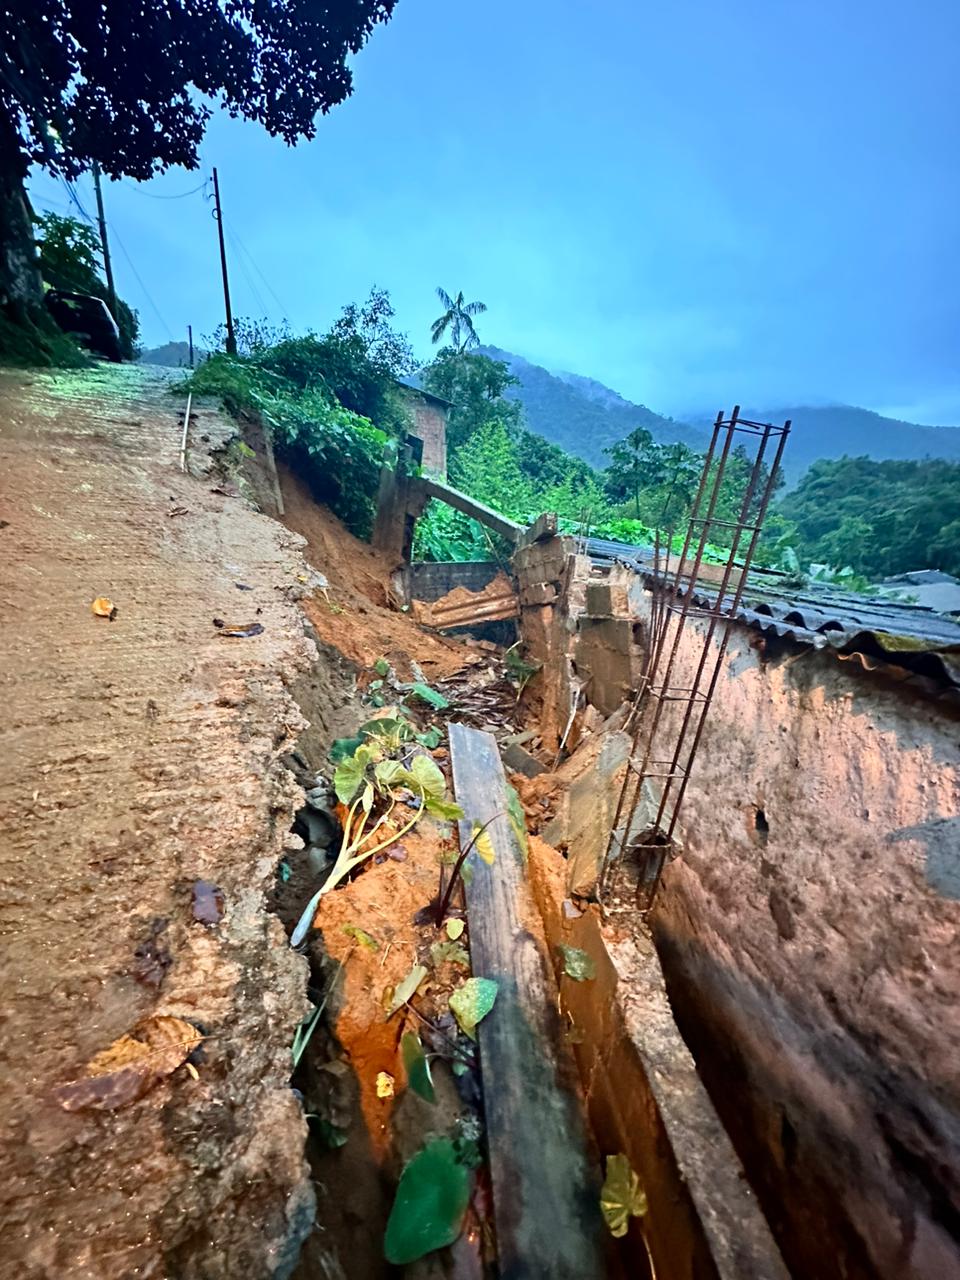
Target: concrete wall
[
  {"x": 431, "y": 579},
  {"x": 809, "y": 935}
]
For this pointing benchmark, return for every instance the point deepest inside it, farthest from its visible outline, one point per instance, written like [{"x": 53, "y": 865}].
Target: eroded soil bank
[{"x": 140, "y": 756}]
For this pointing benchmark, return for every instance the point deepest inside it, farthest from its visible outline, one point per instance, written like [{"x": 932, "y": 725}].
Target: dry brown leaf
[
  {"x": 131, "y": 1066},
  {"x": 103, "y": 607}
]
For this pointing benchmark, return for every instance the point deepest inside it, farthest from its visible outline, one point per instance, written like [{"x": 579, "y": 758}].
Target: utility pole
[
  {"x": 104, "y": 246},
  {"x": 190, "y": 342},
  {"x": 218, "y": 214}
]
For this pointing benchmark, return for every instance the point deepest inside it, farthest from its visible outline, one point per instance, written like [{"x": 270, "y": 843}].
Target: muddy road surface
[{"x": 139, "y": 755}]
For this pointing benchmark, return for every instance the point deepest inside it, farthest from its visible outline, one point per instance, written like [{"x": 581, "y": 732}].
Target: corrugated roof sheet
[{"x": 903, "y": 638}]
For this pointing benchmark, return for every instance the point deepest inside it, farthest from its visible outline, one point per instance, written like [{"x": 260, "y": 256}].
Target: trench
[{"x": 357, "y": 1144}]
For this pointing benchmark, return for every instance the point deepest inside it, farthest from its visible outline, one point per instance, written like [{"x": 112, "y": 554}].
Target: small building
[
  {"x": 930, "y": 588},
  {"x": 428, "y": 414}
]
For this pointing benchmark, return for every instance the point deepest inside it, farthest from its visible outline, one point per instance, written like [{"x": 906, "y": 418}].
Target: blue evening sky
[{"x": 694, "y": 201}]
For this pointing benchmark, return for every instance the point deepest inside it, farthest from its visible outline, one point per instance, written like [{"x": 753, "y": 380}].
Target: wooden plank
[
  {"x": 545, "y": 1189},
  {"x": 508, "y": 529},
  {"x": 542, "y": 530}
]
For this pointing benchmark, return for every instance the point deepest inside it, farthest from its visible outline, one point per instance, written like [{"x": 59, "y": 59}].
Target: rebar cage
[{"x": 659, "y": 757}]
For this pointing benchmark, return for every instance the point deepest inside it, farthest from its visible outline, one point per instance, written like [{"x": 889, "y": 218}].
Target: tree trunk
[{"x": 21, "y": 288}]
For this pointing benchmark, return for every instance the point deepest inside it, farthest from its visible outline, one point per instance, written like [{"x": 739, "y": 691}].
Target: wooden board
[{"x": 546, "y": 1189}]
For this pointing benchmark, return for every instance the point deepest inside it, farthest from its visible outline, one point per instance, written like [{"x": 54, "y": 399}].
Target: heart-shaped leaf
[
  {"x": 431, "y": 1201},
  {"x": 472, "y": 1002}
]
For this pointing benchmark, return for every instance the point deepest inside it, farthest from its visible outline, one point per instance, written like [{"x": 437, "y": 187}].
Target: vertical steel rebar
[{"x": 666, "y": 610}]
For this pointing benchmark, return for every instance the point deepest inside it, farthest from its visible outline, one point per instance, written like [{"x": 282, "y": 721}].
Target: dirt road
[{"x": 137, "y": 757}]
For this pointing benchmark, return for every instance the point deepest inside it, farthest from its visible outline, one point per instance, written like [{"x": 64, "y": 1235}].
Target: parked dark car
[{"x": 88, "y": 319}]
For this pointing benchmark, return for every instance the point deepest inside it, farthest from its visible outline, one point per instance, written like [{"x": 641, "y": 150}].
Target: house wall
[
  {"x": 809, "y": 933},
  {"x": 430, "y": 425},
  {"x": 809, "y": 930}
]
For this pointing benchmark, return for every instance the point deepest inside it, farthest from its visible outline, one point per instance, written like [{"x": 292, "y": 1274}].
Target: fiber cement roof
[{"x": 905, "y": 638}]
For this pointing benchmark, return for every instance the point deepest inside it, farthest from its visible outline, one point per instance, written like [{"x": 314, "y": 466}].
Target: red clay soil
[
  {"x": 139, "y": 756},
  {"x": 356, "y": 617}
]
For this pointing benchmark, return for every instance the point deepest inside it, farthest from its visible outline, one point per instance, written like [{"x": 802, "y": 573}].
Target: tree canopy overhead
[{"x": 132, "y": 85}]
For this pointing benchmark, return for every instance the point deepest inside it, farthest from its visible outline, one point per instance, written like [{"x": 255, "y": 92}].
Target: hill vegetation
[{"x": 581, "y": 416}]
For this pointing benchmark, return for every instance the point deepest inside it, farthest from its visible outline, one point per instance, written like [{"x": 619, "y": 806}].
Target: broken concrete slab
[{"x": 517, "y": 760}]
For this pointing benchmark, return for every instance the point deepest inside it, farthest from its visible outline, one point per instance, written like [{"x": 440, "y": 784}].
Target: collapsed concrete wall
[{"x": 809, "y": 931}]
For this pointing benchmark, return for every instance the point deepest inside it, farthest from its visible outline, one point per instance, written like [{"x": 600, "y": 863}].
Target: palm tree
[{"x": 458, "y": 318}]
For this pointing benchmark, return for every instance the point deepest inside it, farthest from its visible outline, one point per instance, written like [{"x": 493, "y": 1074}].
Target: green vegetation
[
  {"x": 330, "y": 401},
  {"x": 878, "y": 518},
  {"x": 37, "y": 341},
  {"x": 69, "y": 259},
  {"x": 458, "y": 319}
]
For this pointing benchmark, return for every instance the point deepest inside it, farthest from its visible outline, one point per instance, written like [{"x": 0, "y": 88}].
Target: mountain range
[{"x": 583, "y": 416}]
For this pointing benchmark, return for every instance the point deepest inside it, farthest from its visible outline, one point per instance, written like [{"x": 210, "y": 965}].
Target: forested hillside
[
  {"x": 880, "y": 518},
  {"x": 835, "y": 431},
  {"x": 583, "y": 416}
]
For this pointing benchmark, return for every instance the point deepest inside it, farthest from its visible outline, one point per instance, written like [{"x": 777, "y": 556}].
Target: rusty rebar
[{"x": 658, "y": 840}]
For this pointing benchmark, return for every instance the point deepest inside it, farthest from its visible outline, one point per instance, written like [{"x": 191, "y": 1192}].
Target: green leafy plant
[
  {"x": 367, "y": 780},
  {"x": 622, "y": 1197},
  {"x": 430, "y": 1203}
]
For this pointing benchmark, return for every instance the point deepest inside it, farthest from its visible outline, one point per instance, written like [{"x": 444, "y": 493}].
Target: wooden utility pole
[
  {"x": 190, "y": 342},
  {"x": 218, "y": 214},
  {"x": 104, "y": 246}
]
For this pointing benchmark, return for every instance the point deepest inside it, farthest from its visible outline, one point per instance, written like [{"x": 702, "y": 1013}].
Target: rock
[
  {"x": 319, "y": 858},
  {"x": 518, "y": 760},
  {"x": 319, "y": 827}
]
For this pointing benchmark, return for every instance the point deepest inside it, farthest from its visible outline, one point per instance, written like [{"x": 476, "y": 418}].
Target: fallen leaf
[
  {"x": 622, "y": 1197},
  {"x": 577, "y": 964},
  {"x": 472, "y": 1002},
  {"x": 360, "y": 935},
  {"x": 417, "y": 1066},
  {"x": 428, "y": 695},
  {"x": 384, "y": 1084},
  {"x": 207, "y": 902},
  {"x": 131, "y": 1066},
  {"x": 151, "y": 960},
  {"x": 104, "y": 607},
  {"x": 407, "y": 988},
  {"x": 454, "y": 929},
  {"x": 241, "y": 631},
  {"x": 430, "y": 1204}
]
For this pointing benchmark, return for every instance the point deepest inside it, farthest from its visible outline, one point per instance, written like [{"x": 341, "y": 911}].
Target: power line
[
  {"x": 72, "y": 193},
  {"x": 137, "y": 277},
  {"x": 244, "y": 250},
  {"x": 258, "y": 297},
  {"x": 153, "y": 196}
]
